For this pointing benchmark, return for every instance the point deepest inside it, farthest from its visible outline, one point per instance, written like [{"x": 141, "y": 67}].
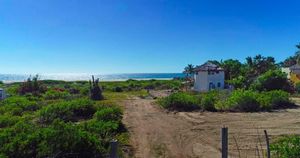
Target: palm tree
[
  {"x": 189, "y": 70},
  {"x": 297, "y": 54}
]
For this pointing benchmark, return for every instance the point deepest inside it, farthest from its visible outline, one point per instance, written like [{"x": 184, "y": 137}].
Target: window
[
  {"x": 211, "y": 86},
  {"x": 219, "y": 84}
]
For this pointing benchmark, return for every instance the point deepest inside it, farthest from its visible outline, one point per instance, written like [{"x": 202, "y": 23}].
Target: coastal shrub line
[{"x": 236, "y": 101}]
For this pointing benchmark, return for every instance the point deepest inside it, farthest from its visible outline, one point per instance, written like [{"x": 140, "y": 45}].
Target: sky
[{"x": 141, "y": 36}]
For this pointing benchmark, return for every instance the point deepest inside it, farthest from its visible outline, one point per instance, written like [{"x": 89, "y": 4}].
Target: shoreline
[
  {"x": 103, "y": 80},
  {"x": 12, "y": 78}
]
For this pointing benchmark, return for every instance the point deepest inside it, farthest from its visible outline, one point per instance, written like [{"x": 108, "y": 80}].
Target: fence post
[
  {"x": 224, "y": 142},
  {"x": 113, "y": 149},
  {"x": 268, "y": 144}
]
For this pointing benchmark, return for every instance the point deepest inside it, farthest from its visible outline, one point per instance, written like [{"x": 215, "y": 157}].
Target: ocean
[{"x": 8, "y": 78}]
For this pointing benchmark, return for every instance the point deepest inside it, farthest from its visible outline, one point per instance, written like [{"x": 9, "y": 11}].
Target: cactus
[{"x": 95, "y": 89}]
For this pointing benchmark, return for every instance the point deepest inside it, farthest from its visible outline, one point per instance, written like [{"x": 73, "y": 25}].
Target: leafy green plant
[
  {"x": 57, "y": 140},
  {"x": 276, "y": 99},
  {"x": 272, "y": 80},
  {"x": 208, "y": 101},
  {"x": 286, "y": 147},
  {"x": 118, "y": 89},
  {"x": 242, "y": 100},
  {"x": 67, "y": 111},
  {"x": 109, "y": 114},
  {"x": 180, "y": 101},
  {"x": 54, "y": 94},
  {"x": 8, "y": 120},
  {"x": 17, "y": 105}
]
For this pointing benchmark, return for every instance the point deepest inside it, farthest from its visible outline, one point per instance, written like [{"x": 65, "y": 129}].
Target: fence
[
  {"x": 255, "y": 143},
  {"x": 231, "y": 144},
  {"x": 252, "y": 144}
]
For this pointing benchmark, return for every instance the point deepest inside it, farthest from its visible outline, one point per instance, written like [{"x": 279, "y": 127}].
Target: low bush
[
  {"x": 109, "y": 114},
  {"x": 17, "y": 105},
  {"x": 57, "y": 140},
  {"x": 208, "y": 101},
  {"x": 242, "y": 100},
  {"x": 67, "y": 111},
  {"x": 56, "y": 94},
  {"x": 238, "y": 100},
  {"x": 106, "y": 130},
  {"x": 180, "y": 101},
  {"x": 118, "y": 89},
  {"x": 286, "y": 147},
  {"x": 276, "y": 99},
  {"x": 8, "y": 120},
  {"x": 272, "y": 80}
]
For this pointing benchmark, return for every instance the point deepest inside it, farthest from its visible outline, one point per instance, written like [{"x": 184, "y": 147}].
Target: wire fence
[{"x": 253, "y": 143}]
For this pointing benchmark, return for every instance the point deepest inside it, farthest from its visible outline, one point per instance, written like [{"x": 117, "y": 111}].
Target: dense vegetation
[
  {"x": 66, "y": 119},
  {"x": 259, "y": 85},
  {"x": 239, "y": 100},
  {"x": 286, "y": 147}
]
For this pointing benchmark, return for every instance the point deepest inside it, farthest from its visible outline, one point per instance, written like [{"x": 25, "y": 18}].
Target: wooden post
[
  {"x": 113, "y": 149},
  {"x": 268, "y": 144},
  {"x": 224, "y": 142}
]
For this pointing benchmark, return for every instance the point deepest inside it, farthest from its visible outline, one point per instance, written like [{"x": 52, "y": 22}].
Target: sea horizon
[{"x": 10, "y": 78}]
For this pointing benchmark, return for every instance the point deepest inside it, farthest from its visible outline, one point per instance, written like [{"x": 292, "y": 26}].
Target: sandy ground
[{"x": 158, "y": 133}]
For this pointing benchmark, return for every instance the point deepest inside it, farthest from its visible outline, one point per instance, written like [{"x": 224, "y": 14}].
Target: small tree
[
  {"x": 95, "y": 89},
  {"x": 189, "y": 70},
  {"x": 272, "y": 80}
]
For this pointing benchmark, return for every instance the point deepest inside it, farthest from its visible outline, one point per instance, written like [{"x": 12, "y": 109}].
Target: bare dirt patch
[{"x": 158, "y": 133}]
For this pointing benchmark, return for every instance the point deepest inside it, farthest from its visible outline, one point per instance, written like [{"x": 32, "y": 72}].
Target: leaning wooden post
[
  {"x": 224, "y": 135},
  {"x": 113, "y": 149},
  {"x": 268, "y": 144}
]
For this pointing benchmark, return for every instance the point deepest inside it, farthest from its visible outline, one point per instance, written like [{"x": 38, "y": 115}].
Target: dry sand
[{"x": 158, "y": 133}]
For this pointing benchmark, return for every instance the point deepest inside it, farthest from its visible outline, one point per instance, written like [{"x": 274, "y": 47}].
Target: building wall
[
  {"x": 201, "y": 79},
  {"x": 205, "y": 81},
  {"x": 217, "y": 78}
]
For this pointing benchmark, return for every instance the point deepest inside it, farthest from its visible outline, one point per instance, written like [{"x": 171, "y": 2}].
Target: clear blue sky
[{"x": 129, "y": 36}]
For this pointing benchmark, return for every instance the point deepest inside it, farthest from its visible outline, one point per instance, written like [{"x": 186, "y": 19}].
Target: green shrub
[
  {"x": 109, "y": 114},
  {"x": 84, "y": 91},
  {"x": 8, "y": 120},
  {"x": 54, "y": 94},
  {"x": 58, "y": 140},
  {"x": 274, "y": 100},
  {"x": 118, "y": 89},
  {"x": 180, "y": 101},
  {"x": 286, "y": 147},
  {"x": 106, "y": 130},
  {"x": 67, "y": 110},
  {"x": 242, "y": 100},
  {"x": 272, "y": 80},
  {"x": 208, "y": 101},
  {"x": 18, "y": 105}
]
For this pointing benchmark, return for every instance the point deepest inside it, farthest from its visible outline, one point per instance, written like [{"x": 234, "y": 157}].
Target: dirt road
[{"x": 157, "y": 133}]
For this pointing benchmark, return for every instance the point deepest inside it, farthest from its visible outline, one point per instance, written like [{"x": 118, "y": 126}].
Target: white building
[
  {"x": 295, "y": 69},
  {"x": 2, "y": 94},
  {"x": 207, "y": 77}
]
